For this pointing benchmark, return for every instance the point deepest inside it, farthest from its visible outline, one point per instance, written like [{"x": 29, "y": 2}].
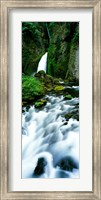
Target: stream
[{"x": 50, "y": 141}]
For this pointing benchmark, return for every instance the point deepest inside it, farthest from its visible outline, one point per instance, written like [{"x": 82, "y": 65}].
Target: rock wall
[{"x": 77, "y": 64}]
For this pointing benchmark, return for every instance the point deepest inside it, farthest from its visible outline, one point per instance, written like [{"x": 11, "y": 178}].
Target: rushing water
[
  {"x": 43, "y": 63},
  {"x": 50, "y": 144}
]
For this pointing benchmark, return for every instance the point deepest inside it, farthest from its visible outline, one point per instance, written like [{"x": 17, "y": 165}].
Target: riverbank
[{"x": 34, "y": 88}]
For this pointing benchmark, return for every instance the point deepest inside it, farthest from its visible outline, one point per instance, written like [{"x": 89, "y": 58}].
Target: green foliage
[
  {"x": 62, "y": 47},
  {"x": 34, "y": 45},
  {"x": 31, "y": 88},
  {"x": 30, "y": 31},
  {"x": 60, "y": 39}
]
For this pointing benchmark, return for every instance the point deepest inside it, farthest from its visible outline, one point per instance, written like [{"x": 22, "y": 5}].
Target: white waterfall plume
[{"x": 43, "y": 63}]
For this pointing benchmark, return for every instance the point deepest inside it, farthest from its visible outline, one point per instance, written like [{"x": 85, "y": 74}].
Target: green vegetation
[
  {"x": 34, "y": 45},
  {"x": 40, "y": 103},
  {"x": 59, "y": 88},
  {"x": 31, "y": 89},
  {"x": 74, "y": 115},
  {"x": 68, "y": 97},
  {"x": 59, "y": 39}
]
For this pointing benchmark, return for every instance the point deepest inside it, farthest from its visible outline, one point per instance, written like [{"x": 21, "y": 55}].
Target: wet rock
[
  {"x": 73, "y": 114},
  {"x": 73, "y": 92},
  {"x": 40, "y": 168},
  {"x": 40, "y": 103},
  {"x": 57, "y": 81},
  {"x": 68, "y": 97},
  {"x": 68, "y": 164},
  {"x": 58, "y": 88}
]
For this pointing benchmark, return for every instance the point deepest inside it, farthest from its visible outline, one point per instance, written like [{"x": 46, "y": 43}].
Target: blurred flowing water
[
  {"x": 50, "y": 143},
  {"x": 43, "y": 63}
]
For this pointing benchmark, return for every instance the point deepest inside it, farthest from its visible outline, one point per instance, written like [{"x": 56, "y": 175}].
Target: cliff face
[
  {"x": 59, "y": 39},
  {"x": 34, "y": 45}
]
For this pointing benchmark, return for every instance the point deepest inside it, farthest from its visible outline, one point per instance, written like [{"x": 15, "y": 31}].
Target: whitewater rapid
[{"x": 50, "y": 144}]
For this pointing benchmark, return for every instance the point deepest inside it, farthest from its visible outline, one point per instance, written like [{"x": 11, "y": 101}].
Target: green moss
[
  {"x": 40, "y": 103},
  {"x": 31, "y": 88},
  {"x": 73, "y": 114},
  {"x": 68, "y": 97},
  {"x": 74, "y": 93},
  {"x": 46, "y": 80},
  {"x": 59, "y": 88},
  {"x": 68, "y": 115}
]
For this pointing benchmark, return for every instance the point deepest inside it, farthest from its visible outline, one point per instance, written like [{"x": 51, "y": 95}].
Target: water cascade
[
  {"x": 50, "y": 143},
  {"x": 43, "y": 63}
]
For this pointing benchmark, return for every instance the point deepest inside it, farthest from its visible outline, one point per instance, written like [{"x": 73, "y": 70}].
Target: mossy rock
[
  {"x": 31, "y": 89},
  {"x": 68, "y": 97},
  {"x": 40, "y": 103},
  {"x": 73, "y": 92},
  {"x": 68, "y": 116},
  {"x": 49, "y": 79},
  {"x": 58, "y": 88},
  {"x": 57, "y": 81},
  {"x": 41, "y": 74},
  {"x": 74, "y": 115},
  {"x": 49, "y": 89}
]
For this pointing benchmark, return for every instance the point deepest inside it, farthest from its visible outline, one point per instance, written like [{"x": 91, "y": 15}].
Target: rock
[
  {"x": 40, "y": 168},
  {"x": 40, "y": 103},
  {"x": 68, "y": 97},
  {"x": 68, "y": 116},
  {"x": 58, "y": 88},
  {"x": 68, "y": 164},
  {"x": 31, "y": 89},
  {"x": 73, "y": 114},
  {"x": 41, "y": 75},
  {"x": 57, "y": 81},
  {"x": 74, "y": 93},
  {"x": 65, "y": 123},
  {"x": 49, "y": 79}
]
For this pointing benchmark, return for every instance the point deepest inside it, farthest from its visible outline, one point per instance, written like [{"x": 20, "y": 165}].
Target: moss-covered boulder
[
  {"x": 41, "y": 103},
  {"x": 73, "y": 114},
  {"x": 73, "y": 92},
  {"x": 68, "y": 116},
  {"x": 58, "y": 88},
  {"x": 40, "y": 74},
  {"x": 57, "y": 81},
  {"x": 68, "y": 97},
  {"x": 46, "y": 80},
  {"x": 31, "y": 89}
]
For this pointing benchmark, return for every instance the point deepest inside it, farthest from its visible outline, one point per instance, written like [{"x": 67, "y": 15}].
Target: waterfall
[{"x": 43, "y": 63}]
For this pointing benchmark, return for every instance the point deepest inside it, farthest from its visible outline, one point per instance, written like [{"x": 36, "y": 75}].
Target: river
[{"x": 50, "y": 141}]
